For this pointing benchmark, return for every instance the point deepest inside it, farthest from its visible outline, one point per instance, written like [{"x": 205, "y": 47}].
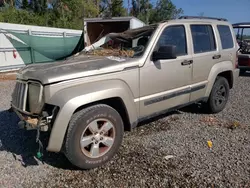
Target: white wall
[
  {"x": 38, "y": 30},
  {"x": 135, "y": 23},
  {"x": 7, "y": 60}
]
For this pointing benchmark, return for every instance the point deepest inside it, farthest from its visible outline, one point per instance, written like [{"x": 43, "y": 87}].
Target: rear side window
[
  {"x": 225, "y": 36},
  {"x": 203, "y": 38}
]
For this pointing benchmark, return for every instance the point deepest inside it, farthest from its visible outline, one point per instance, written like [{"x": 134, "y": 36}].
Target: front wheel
[
  {"x": 94, "y": 136},
  {"x": 219, "y": 95}
]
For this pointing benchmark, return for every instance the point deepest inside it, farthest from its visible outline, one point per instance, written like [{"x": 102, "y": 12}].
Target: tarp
[{"x": 51, "y": 47}]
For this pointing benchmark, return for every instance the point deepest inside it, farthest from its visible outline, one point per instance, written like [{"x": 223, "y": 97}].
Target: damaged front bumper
[{"x": 32, "y": 122}]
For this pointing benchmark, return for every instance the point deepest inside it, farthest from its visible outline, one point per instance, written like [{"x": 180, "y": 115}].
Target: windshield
[{"x": 131, "y": 43}]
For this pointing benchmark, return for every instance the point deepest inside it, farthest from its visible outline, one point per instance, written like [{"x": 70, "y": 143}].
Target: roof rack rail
[{"x": 202, "y": 17}]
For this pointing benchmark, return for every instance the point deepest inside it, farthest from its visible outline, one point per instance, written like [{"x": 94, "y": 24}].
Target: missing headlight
[{"x": 35, "y": 97}]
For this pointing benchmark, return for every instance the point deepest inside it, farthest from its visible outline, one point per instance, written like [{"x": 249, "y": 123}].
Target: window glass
[
  {"x": 203, "y": 38},
  {"x": 225, "y": 36},
  {"x": 176, "y": 36}
]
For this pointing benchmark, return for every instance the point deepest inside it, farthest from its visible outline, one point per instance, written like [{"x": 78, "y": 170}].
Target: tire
[
  {"x": 212, "y": 105},
  {"x": 81, "y": 123}
]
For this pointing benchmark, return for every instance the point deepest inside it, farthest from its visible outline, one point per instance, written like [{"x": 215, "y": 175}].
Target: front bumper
[{"x": 30, "y": 122}]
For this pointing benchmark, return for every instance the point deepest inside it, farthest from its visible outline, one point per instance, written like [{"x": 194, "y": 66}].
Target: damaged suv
[{"x": 87, "y": 101}]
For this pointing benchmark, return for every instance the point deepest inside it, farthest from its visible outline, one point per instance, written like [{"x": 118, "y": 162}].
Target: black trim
[
  {"x": 196, "y": 88},
  {"x": 174, "y": 94},
  {"x": 15, "y": 109},
  {"x": 167, "y": 96},
  {"x": 202, "y": 17},
  {"x": 203, "y": 99}
]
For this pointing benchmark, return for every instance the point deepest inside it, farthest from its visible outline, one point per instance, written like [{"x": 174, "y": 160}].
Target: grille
[{"x": 19, "y": 95}]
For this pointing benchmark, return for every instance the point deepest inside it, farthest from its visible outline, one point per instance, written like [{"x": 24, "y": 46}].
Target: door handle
[
  {"x": 186, "y": 62},
  {"x": 216, "y": 56}
]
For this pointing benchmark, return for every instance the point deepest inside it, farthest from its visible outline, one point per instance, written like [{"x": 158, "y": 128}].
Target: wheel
[
  {"x": 219, "y": 96},
  {"x": 94, "y": 135}
]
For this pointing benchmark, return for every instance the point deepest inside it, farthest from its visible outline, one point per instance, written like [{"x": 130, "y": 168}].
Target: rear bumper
[{"x": 244, "y": 67}]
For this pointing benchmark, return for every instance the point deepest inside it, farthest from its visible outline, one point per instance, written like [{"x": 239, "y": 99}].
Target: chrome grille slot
[{"x": 19, "y": 95}]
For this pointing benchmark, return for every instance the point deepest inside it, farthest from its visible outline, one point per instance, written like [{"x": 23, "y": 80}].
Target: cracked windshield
[{"x": 131, "y": 43}]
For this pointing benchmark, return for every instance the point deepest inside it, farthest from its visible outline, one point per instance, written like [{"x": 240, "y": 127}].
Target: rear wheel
[
  {"x": 219, "y": 95},
  {"x": 94, "y": 136}
]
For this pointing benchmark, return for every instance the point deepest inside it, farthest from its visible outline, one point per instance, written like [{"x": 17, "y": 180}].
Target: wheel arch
[
  {"x": 113, "y": 93},
  {"x": 224, "y": 69},
  {"x": 115, "y": 102}
]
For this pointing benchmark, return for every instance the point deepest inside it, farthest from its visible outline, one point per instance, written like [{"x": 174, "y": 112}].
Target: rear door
[{"x": 205, "y": 55}]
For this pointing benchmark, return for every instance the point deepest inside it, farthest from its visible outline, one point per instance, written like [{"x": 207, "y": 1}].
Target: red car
[{"x": 242, "y": 31}]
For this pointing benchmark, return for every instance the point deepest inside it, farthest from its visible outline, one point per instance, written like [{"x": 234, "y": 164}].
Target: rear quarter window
[{"x": 225, "y": 36}]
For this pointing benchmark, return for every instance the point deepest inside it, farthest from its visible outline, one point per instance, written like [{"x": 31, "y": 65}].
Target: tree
[
  {"x": 112, "y": 8},
  {"x": 134, "y": 11},
  {"x": 145, "y": 10},
  {"x": 164, "y": 10},
  {"x": 117, "y": 8},
  {"x": 25, "y": 4}
]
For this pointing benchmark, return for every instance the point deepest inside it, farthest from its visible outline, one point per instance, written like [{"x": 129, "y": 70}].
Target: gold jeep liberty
[{"x": 87, "y": 100}]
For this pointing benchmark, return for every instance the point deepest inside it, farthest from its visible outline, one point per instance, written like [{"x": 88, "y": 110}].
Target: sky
[{"x": 233, "y": 10}]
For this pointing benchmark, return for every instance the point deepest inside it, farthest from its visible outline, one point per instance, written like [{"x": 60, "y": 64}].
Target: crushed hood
[{"x": 75, "y": 67}]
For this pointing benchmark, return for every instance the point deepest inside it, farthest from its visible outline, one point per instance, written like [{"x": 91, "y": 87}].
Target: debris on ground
[
  {"x": 169, "y": 157},
  {"x": 140, "y": 161},
  {"x": 210, "y": 120},
  {"x": 210, "y": 144},
  {"x": 233, "y": 125}
]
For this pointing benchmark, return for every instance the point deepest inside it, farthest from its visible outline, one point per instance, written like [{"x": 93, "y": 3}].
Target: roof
[
  {"x": 112, "y": 19},
  {"x": 195, "y": 21},
  {"x": 202, "y": 18},
  {"x": 242, "y": 24}
]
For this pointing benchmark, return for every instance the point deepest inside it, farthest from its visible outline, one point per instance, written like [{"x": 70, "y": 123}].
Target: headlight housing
[{"x": 35, "y": 97}]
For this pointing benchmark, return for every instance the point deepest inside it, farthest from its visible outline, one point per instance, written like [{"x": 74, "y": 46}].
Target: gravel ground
[{"x": 141, "y": 161}]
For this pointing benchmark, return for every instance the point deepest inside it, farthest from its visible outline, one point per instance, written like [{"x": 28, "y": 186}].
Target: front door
[{"x": 165, "y": 83}]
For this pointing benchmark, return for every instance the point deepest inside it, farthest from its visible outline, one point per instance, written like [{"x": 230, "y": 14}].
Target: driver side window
[{"x": 176, "y": 36}]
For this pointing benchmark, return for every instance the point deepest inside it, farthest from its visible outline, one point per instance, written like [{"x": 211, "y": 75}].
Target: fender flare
[
  {"x": 72, "y": 98},
  {"x": 215, "y": 71}
]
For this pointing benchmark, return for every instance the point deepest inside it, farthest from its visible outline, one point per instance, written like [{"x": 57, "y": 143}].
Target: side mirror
[{"x": 165, "y": 52}]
